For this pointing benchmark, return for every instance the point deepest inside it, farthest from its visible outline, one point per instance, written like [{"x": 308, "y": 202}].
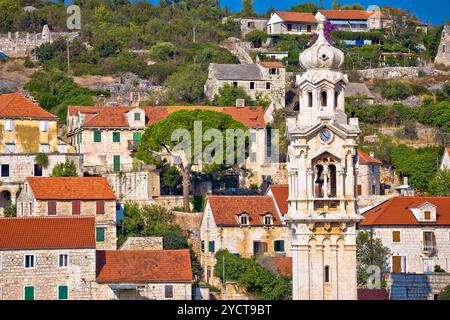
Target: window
[
  {"x": 10, "y": 147},
  {"x": 9, "y": 125},
  {"x": 235, "y": 84},
  {"x": 395, "y": 236},
  {"x": 63, "y": 260},
  {"x": 268, "y": 220},
  {"x": 97, "y": 136},
  {"x": 373, "y": 169},
  {"x": 76, "y": 207},
  {"x": 5, "y": 170},
  {"x": 116, "y": 136},
  {"x": 203, "y": 246},
  {"x": 323, "y": 99},
  {"x": 244, "y": 219},
  {"x": 63, "y": 292},
  {"x": 100, "y": 234},
  {"x": 44, "y": 126},
  {"x": 37, "y": 170},
  {"x": 28, "y": 292},
  {"x": 268, "y": 85},
  {"x": 137, "y": 116},
  {"x": 252, "y": 85},
  {"x": 327, "y": 274},
  {"x": 51, "y": 208},
  {"x": 211, "y": 246},
  {"x": 168, "y": 291},
  {"x": 21, "y": 209},
  {"x": 273, "y": 71},
  {"x": 374, "y": 189},
  {"x": 427, "y": 215},
  {"x": 289, "y": 27},
  {"x": 100, "y": 207},
  {"x": 29, "y": 261},
  {"x": 310, "y": 99},
  {"x": 278, "y": 245},
  {"x": 31, "y": 209},
  {"x": 44, "y": 148}
]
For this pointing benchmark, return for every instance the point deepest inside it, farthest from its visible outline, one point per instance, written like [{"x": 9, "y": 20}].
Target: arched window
[
  {"x": 323, "y": 99},
  {"x": 336, "y": 99},
  {"x": 318, "y": 183},
  {"x": 332, "y": 172},
  {"x": 310, "y": 99}
]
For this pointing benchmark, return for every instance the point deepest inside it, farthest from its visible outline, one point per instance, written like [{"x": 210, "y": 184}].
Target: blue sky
[{"x": 433, "y": 11}]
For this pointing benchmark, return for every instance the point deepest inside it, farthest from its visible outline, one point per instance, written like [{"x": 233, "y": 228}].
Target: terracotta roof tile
[
  {"x": 397, "y": 211},
  {"x": 348, "y": 14},
  {"x": 271, "y": 64},
  {"x": 226, "y": 209},
  {"x": 114, "y": 117},
  {"x": 15, "y": 105},
  {"x": 47, "y": 233},
  {"x": 71, "y": 188},
  {"x": 364, "y": 158},
  {"x": 131, "y": 266},
  {"x": 297, "y": 16},
  {"x": 372, "y": 294},
  {"x": 277, "y": 265},
  {"x": 281, "y": 194}
]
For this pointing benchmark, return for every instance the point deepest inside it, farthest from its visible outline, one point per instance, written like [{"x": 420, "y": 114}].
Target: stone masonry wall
[
  {"x": 396, "y": 72},
  {"x": 143, "y": 243},
  {"x": 135, "y": 186},
  {"x": 79, "y": 276},
  {"x": 443, "y": 56},
  {"x": 417, "y": 286}
]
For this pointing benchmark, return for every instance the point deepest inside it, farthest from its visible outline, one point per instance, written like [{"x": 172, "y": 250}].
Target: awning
[
  {"x": 122, "y": 286},
  {"x": 344, "y": 23},
  {"x": 357, "y": 22}
]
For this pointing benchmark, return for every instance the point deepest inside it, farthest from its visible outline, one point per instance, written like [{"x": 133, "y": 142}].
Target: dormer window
[
  {"x": 268, "y": 219},
  {"x": 244, "y": 219},
  {"x": 427, "y": 215}
]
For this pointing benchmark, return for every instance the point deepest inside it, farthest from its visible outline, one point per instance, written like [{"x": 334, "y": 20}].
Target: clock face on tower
[{"x": 326, "y": 135}]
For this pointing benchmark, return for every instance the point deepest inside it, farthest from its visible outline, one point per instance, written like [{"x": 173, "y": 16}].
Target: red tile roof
[
  {"x": 281, "y": 194},
  {"x": 364, "y": 158},
  {"x": 114, "y": 117},
  {"x": 348, "y": 14},
  {"x": 297, "y": 16},
  {"x": 226, "y": 209},
  {"x": 71, "y": 188},
  {"x": 419, "y": 23},
  {"x": 277, "y": 265},
  {"x": 271, "y": 64},
  {"x": 372, "y": 294},
  {"x": 15, "y": 105},
  {"x": 47, "y": 233},
  {"x": 132, "y": 266},
  {"x": 397, "y": 211}
]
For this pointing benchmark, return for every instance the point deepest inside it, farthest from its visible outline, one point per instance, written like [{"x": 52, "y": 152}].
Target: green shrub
[{"x": 444, "y": 294}]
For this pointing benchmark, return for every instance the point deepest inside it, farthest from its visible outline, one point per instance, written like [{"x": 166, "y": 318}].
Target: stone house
[
  {"x": 72, "y": 196},
  {"x": 368, "y": 174},
  {"x": 244, "y": 225},
  {"x": 47, "y": 258},
  {"x": 443, "y": 55},
  {"x": 285, "y": 22},
  {"x": 359, "y": 90},
  {"x": 145, "y": 274},
  {"x": 263, "y": 80},
  {"x": 27, "y": 130},
  {"x": 415, "y": 229},
  {"x": 445, "y": 162},
  {"x": 108, "y": 136},
  {"x": 355, "y": 20},
  {"x": 248, "y": 25}
]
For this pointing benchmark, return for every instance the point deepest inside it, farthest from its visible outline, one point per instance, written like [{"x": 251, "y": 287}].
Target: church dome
[{"x": 322, "y": 55}]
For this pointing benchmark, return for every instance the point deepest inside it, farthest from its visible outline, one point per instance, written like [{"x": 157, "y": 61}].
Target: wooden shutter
[
  {"x": 76, "y": 207},
  {"x": 396, "y": 264},
  {"x": 395, "y": 236},
  {"x": 100, "y": 207},
  {"x": 51, "y": 208},
  {"x": 263, "y": 247},
  {"x": 359, "y": 190}
]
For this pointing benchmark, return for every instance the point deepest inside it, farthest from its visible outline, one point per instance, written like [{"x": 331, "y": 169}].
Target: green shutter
[
  {"x": 116, "y": 136},
  {"x": 29, "y": 293},
  {"x": 100, "y": 234},
  {"x": 203, "y": 245},
  {"x": 211, "y": 246},
  {"x": 137, "y": 136},
  {"x": 116, "y": 163},
  {"x": 282, "y": 245},
  {"x": 97, "y": 136},
  {"x": 278, "y": 245},
  {"x": 63, "y": 292}
]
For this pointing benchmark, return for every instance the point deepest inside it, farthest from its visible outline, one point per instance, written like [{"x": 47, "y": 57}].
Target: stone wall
[
  {"x": 79, "y": 276},
  {"x": 151, "y": 291},
  {"x": 170, "y": 202},
  {"x": 190, "y": 223},
  {"x": 390, "y": 73},
  {"x": 443, "y": 56},
  {"x": 143, "y": 243},
  {"x": 368, "y": 176},
  {"x": 417, "y": 286},
  {"x": 135, "y": 186}
]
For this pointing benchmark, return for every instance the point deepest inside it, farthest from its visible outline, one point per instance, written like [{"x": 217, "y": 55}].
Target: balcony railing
[{"x": 429, "y": 248}]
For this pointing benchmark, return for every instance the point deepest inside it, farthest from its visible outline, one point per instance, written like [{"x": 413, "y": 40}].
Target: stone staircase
[{"x": 239, "y": 48}]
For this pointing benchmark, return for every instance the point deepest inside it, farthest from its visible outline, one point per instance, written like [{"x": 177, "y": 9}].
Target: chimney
[
  {"x": 135, "y": 98},
  {"x": 405, "y": 181},
  {"x": 240, "y": 103},
  {"x": 372, "y": 154}
]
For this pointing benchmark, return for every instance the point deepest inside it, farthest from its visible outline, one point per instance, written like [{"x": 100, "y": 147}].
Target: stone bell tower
[{"x": 322, "y": 171}]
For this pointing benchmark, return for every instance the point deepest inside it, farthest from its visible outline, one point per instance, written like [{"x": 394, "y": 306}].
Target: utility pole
[
  {"x": 223, "y": 277},
  {"x": 68, "y": 56}
]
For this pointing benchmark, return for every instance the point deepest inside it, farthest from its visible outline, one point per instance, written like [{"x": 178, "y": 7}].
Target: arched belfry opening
[
  {"x": 325, "y": 177},
  {"x": 323, "y": 99},
  {"x": 310, "y": 99}
]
